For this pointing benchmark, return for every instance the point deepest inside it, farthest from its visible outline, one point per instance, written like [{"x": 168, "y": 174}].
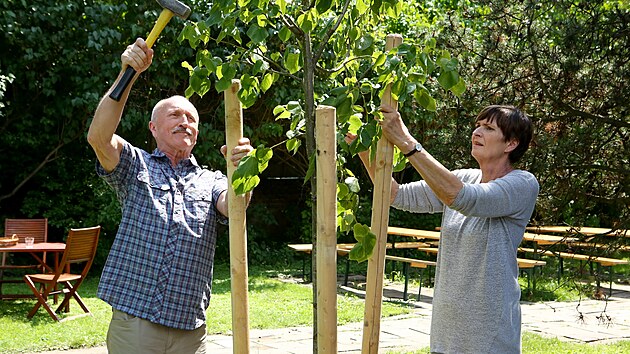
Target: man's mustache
[{"x": 182, "y": 130}]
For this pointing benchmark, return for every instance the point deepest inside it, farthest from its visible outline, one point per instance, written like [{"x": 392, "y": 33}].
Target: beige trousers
[{"x": 130, "y": 334}]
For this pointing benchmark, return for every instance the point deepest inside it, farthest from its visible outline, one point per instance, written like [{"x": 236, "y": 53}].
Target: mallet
[{"x": 170, "y": 8}]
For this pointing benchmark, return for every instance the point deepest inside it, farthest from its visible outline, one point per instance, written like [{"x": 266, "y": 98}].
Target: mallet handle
[{"x": 130, "y": 72}]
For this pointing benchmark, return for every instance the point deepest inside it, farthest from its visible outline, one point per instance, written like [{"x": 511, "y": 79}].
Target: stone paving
[{"x": 593, "y": 321}]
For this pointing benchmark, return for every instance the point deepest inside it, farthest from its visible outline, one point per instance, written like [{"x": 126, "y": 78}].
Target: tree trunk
[{"x": 309, "y": 113}]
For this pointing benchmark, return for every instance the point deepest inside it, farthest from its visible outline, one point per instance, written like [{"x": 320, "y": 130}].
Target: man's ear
[{"x": 152, "y": 127}]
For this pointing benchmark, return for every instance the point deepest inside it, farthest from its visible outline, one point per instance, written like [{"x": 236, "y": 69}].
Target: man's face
[{"x": 175, "y": 125}]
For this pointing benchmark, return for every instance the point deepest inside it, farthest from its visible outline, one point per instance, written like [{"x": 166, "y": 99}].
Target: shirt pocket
[
  {"x": 198, "y": 209},
  {"x": 157, "y": 188}
]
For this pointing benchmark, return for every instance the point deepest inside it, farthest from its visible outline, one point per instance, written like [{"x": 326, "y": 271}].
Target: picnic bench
[
  {"x": 524, "y": 264},
  {"x": 592, "y": 232},
  {"x": 345, "y": 248},
  {"x": 600, "y": 261},
  {"x": 588, "y": 231}
]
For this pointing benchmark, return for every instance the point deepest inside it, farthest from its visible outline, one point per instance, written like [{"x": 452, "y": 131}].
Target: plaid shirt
[{"x": 160, "y": 265}]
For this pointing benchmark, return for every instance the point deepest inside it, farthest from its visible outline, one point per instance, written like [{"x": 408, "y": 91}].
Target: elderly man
[{"x": 158, "y": 275}]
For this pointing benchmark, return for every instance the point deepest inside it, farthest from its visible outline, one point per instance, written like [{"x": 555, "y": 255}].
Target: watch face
[{"x": 415, "y": 149}]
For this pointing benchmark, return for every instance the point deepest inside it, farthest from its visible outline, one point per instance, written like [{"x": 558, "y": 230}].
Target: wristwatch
[{"x": 416, "y": 148}]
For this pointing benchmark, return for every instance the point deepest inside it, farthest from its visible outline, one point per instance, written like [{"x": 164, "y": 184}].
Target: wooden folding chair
[
  {"x": 36, "y": 228},
  {"x": 80, "y": 250}
]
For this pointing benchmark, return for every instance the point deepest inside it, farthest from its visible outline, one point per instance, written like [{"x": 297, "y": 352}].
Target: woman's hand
[{"x": 394, "y": 129}]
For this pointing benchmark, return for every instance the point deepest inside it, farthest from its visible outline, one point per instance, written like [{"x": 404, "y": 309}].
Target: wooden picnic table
[
  {"x": 423, "y": 234},
  {"x": 540, "y": 239},
  {"x": 588, "y": 231},
  {"x": 543, "y": 239}
]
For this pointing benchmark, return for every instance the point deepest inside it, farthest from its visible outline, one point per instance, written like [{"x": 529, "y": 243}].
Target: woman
[{"x": 476, "y": 300}]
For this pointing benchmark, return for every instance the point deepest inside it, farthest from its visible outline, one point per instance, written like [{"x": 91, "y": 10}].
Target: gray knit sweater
[{"x": 476, "y": 305}]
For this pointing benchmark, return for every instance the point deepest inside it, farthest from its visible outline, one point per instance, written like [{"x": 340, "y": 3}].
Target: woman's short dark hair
[{"x": 513, "y": 123}]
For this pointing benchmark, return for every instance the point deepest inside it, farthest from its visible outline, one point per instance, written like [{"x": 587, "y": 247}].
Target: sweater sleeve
[
  {"x": 417, "y": 197},
  {"x": 513, "y": 195}
]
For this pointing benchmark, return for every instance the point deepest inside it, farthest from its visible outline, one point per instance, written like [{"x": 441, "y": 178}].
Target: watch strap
[{"x": 416, "y": 148}]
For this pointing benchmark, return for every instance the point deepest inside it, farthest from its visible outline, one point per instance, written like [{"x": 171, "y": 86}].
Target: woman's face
[{"x": 488, "y": 142}]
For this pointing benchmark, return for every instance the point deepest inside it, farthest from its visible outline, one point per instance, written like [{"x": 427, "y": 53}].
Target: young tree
[{"x": 333, "y": 51}]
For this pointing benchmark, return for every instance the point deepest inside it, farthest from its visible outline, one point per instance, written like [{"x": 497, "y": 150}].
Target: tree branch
[{"x": 330, "y": 32}]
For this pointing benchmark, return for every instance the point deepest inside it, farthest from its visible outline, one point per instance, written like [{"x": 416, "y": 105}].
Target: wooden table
[
  {"x": 588, "y": 231},
  {"x": 424, "y": 234},
  {"x": 542, "y": 239},
  {"x": 435, "y": 235},
  {"x": 35, "y": 251}
]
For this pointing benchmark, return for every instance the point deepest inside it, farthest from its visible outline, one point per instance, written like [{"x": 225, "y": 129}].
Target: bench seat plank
[{"x": 604, "y": 261}]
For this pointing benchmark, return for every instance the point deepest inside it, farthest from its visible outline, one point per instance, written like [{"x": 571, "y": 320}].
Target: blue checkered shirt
[{"x": 160, "y": 265}]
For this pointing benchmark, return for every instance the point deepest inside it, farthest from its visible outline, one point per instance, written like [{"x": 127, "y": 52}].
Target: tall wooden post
[
  {"x": 380, "y": 220},
  {"x": 238, "y": 232},
  {"x": 326, "y": 149}
]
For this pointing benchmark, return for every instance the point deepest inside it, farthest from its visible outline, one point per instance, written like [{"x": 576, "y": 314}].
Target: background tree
[
  {"x": 566, "y": 64},
  {"x": 57, "y": 60}
]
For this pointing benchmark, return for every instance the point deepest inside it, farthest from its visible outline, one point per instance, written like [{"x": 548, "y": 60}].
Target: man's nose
[{"x": 183, "y": 120}]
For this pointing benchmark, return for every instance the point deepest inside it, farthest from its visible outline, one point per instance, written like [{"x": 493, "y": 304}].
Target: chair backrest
[
  {"x": 37, "y": 228},
  {"x": 81, "y": 248}
]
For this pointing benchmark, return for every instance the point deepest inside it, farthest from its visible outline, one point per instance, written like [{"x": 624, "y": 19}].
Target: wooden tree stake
[
  {"x": 238, "y": 231},
  {"x": 326, "y": 149},
  {"x": 380, "y": 220}
]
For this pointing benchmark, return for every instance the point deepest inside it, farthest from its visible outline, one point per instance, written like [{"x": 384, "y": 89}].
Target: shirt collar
[{"x": 191, "y": 161}]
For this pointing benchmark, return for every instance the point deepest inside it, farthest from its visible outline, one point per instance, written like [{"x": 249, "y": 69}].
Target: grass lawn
[{"x": 291, "y": 306}]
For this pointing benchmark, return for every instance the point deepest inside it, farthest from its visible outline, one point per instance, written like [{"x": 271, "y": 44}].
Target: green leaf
[
  {"x": 223, "y": 84},
  {"x": 380, "y": 59},
  {"x": 266, "y": 82},
  {"x": 257, "y": 34},
  {"x": 246, "y": 176},
  {"x": 354, "y": 123},
  {"x": 459, "y": 88},
  {"x": 342, "y": 191},
  {"x": 263, "y": 155},
  {"x": 293, "y": 145},
  {"x": 399, "y": 161},
  {"x": 365, "y": 42},
  {"x": 366, "y": 241},
  {"x": 323, "y": 5},
  {"x": 292, "y": 62},
  {"x": 305, "y": 22},
  {"x": 361, "y": 6},
  {"x": 426, "y": 63},
  {"x": 282, "y": 5},
  {"x": 448, "y": 79},
  {"x": 281, "y": 112},
  {"x": 199, "y": 81},
  {"x": 424, "y": 98},
  {"x": 187, "y": 65},
  {"x": 284, "y": 34}
]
